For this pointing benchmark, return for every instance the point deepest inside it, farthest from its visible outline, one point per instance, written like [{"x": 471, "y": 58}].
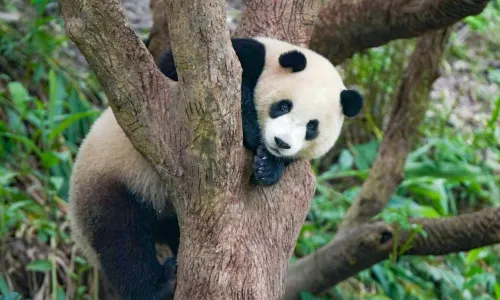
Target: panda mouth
[{"x": 274, "y": 151}]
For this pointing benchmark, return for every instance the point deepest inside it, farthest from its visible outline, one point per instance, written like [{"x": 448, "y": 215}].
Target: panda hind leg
[{"x": 122, "y": 230}]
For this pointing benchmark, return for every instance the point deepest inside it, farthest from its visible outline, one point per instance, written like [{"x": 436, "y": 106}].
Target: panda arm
[
  {"x": 251, "y": 130},
  {"x": 268, "y": 169}
]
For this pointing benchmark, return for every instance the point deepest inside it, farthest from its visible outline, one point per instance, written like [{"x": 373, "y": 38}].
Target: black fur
[
  {"x": 293, "y": 59},
  {"x": 268, "y": 169},
  {"x": 147, "y": 41},
  {"x": 351, "y": 101},
  {"x": 280, "y": 108},
  {"x": 312, "y": 131},
  {"x": 130, "y": 263}
]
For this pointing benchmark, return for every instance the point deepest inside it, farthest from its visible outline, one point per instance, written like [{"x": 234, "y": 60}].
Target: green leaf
[
  {"x": 365, "y": 154},
  {"x": 57, "y": 94},
  {"x": 481, "y": 278},
  {"x": 17, "y": 205},
  {"x": 23, "y": 140},
  {"x": 475, "y": 254},
  {"x": 81, "y": 290},
  {"x": 49, "y": 159},
  {"x": 494, "y": 75},
  {"x": 60, "y": 294},
  {"x": 42, "y": 265},
  {"x": 379, "y": 273},
  {"x": 424, "y": 211},
  {"x": 19, "y": 95},
  {"x": 57, "y": 130},
  {"x": 346, "y": 160},
  {"x": 497, "y": 290},
  {"x": 430, "y": 188},
  {"x": 57, "y": 182},
  {"x": 11, "y": 296},
  {"x": 4, "y": 287},
  {"x": 307, "y": 296},
  {"x": 414, "y": 209},
  {"x": 447, "y": 170},
  {"x": 7, "y": 177}
]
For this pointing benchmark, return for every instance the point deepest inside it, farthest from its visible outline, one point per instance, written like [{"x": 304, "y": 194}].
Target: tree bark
[
  {"x": 290, "y": 21},
  {"x": 371, "y": 243},
  {"x": 346, "y": 27},
  {"x": 236, "y": 239}
]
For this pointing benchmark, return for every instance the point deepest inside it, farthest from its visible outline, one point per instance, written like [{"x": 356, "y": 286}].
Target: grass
[{"x": 48, "y": 102}]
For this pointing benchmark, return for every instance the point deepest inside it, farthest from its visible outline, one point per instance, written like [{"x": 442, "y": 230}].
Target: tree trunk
[{"x": 236, "y": 239}]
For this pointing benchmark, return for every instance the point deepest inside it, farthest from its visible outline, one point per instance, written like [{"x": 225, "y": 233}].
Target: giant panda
[{"x": 293, "y": 106}]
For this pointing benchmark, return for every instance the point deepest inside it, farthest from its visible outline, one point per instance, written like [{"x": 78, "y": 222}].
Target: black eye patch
[
  {"x": 280, "y": 108},
  {"x": 312, "y": 131}
]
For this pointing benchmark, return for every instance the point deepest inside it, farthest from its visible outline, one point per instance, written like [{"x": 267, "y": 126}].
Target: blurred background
[{"x": 49, "y": 98}]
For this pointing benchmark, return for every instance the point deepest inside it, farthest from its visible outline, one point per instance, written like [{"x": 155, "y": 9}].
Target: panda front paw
[
  {"x": 169, "y": 279},
  {"x": 268, "y": 169}
]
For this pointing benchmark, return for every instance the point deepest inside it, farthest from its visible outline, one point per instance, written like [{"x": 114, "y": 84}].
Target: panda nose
[{"x": 281, "y": 144}]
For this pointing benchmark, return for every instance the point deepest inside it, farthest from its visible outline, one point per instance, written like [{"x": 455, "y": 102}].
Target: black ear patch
[
  {"x": 293, "y": 59},
  {"x": 351, "y": 102}
]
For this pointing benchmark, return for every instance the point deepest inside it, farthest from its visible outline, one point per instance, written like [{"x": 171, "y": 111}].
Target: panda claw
[{"x": 268, "y": 169}]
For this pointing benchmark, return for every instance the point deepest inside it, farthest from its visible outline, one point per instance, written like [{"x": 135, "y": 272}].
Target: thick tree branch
[
  {"x": 159, "y": 38},
  {"x": 123, "y": 66},
  {"x": 290, "y": 21},
  {"x": 345, "y": 27},
  {"x": 371, "y": 243},
  {"x": 411, "y": 103}
]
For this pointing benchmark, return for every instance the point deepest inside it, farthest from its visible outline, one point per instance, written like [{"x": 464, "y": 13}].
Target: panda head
[{"x": 301, "y": 101}]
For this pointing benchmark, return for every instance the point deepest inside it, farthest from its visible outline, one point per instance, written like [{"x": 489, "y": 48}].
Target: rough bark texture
[
  {"x": 236, "y": 239},
  {"x": 411, "y": 102},
  {"x": 285, "y": 20},
  {"x": 345, "y": 27},
  {"x": 317, "y": 272},
  {"x": 119, "y": 58},
  {"x": 159, "y": 38},
  {"x": 371, "y": 243}
]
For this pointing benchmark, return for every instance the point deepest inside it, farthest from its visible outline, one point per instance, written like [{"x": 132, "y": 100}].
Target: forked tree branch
[
  {"x": 345, "y": 27},
  {"x": 145, "y": 102},
  {"x": 371, "y": 243},
  {"x": 236, "y": 240}
]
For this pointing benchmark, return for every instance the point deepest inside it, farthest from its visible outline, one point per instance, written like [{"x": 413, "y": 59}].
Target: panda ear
[
  {"x": 293, "y": 59},
  {"x": 351, "y": 102}
]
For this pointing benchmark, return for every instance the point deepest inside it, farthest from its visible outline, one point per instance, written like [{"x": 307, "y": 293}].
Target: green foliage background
[{"x": 48, "y": 102}]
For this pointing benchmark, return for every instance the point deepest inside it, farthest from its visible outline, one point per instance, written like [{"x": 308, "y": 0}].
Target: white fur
[{"x": 315, "y": 94}]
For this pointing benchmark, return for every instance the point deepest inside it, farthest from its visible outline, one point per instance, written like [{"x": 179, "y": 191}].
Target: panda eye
[
  {"x": 312, "y": 130},
  {"x": 280, "y": 108},
  {"x": 312, "y": 125},
  {"x": 285, "y": 106}
]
